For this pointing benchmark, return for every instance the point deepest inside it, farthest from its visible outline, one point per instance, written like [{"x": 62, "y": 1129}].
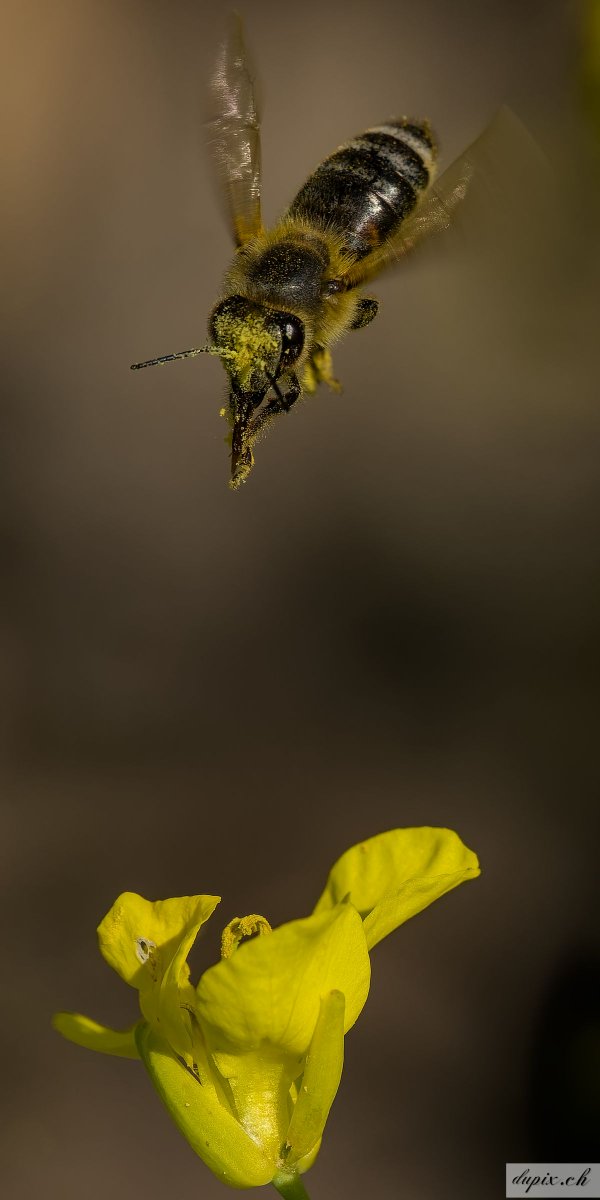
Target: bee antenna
[{"x": 165, "y": 358}]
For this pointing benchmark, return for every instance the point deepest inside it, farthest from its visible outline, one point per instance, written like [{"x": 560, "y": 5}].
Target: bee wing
[
  {"x": 478, "y": 194},
  {"x": 233, "y": 134}
]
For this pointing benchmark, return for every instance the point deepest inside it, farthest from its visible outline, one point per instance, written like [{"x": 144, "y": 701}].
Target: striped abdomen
[{"x": 366, "y": 188}]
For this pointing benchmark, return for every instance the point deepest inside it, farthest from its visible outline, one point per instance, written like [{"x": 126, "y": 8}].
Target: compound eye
[{"x": 292, "y": 340}]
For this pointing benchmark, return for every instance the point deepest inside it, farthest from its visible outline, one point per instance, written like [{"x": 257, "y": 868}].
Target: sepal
[
  {"x": 85, "y": 1032},
  {"x": 319, "y": 1083},
  {"x": 210, "y": 1128}
]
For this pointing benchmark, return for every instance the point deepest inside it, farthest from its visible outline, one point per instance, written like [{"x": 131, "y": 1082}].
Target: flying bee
[{"x": 292, "y": 292}]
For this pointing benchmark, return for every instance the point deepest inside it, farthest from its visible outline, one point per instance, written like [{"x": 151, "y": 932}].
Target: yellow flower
[{"x": 248, "y": 1062}]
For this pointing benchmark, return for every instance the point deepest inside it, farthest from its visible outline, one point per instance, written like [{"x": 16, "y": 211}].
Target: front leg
[
  {"x": 281, "y": 403},
  {"x": 248, "y": 432}
]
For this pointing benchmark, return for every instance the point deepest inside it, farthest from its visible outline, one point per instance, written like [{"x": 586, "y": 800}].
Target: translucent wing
[
  {"x": 233, "y": 134},
  {"x": 501, "y": 173}
]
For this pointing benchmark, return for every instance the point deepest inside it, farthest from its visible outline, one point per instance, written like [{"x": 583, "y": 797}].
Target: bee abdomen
[{"x": 367, "y": 187}]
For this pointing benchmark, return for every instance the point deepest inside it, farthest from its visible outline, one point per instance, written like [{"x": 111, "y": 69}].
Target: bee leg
[
  {"x": 319, "y": 369},
  {"x": 281, "y": 403},
  {"x": 292, "y": 395},
  {"x": 366, "y": 311}
]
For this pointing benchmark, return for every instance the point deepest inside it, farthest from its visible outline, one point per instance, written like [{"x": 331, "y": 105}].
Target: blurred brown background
[{"x": 395, "y": 622}]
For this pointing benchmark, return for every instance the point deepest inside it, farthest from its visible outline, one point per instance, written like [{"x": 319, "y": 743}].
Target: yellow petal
[
  {"x": 395, "y": 875},
  {"x": 140, "y": 938},
  {"x": 270, "y": 989},
  {"x": 209, "y": 1127},
  {"x": 85, "y": 1032},
  {"x": 320, "y": 1082},
  {"x": 148, "y": 944}
]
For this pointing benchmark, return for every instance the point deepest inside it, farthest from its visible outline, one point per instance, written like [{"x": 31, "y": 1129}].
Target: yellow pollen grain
[{"x": 246, "y": 343}]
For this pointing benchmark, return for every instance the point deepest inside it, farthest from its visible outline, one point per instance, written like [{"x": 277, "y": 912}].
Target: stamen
[{"x": 241, "y": 929}]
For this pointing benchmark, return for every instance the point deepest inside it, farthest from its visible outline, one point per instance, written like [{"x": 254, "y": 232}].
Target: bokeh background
[{"x": 395, "y": 622}]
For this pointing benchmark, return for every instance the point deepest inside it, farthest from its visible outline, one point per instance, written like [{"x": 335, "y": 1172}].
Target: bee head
[{"x": 256, "y": 345}]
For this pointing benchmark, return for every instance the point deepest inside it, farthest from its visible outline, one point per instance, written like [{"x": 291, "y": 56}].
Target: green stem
[{"x": 290, "y": 1186}]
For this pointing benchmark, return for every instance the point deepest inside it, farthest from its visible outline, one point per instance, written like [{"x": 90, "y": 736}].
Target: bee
[{"x": 292, "y": 292}]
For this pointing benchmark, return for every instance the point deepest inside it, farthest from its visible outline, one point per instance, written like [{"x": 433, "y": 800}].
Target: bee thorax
[{"x": 288, "y": 274}]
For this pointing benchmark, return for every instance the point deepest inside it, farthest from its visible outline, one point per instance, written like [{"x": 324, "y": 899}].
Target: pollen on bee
[{"x": 246, "y": 341}]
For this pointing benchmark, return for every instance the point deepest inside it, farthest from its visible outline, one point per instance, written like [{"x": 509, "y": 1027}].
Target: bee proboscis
[{"x": 291, "y": 292}]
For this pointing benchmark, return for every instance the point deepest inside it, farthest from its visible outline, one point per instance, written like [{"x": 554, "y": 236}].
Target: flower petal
[
  {"x": 208, "y": 1126},
  {"x": 270, "y": 989},
  {"x": 395, "y": 875},
  {"x": 139, "y": 938},
  {"x": 168, "y": 1007},
  {"x": 85, "y": 1032},
  {"x": 147, "y": 943},
  {"x": 320, "y": 1082}
]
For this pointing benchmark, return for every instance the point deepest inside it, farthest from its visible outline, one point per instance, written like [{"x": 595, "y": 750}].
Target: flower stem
[{"x": 290, "y": 1186}]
